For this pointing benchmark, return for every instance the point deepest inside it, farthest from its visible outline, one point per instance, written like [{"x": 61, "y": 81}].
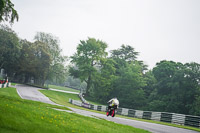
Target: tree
[
  {"x": 34, "y": 62},
  {"x": 192, "y": 76},
  {"x": 126, "y": 52},
  {"x": 57, "y": 71},
  {"x": 129, "y": 80},
  {"x": 128, "y": 86},
  {"x": 9, "y": 50},
  {"x": 176, "y": 88},
  {"x": 42, "y": 62},
  {"x": 7, "y": 11},
  {"x": 150, "y": 81},
  {"x": 104, "y": 80},
  {"x": 26, "y": 62},
  {"x": 75, "y": 83},
  {"x": 86, "y": 59}
]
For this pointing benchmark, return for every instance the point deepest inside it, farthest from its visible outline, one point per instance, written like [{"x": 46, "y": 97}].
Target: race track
[{"x": 33, "y": 93}]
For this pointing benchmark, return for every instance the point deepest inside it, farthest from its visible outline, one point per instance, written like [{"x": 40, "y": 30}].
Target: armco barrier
[
  {"x": 179, "y": 119},
  {"x": 131, "y": 113},
  {"x": 124, "y": 111},
  {"x": 166, "y": 117},
  {"x": 146, "y": 115},
  {"x": 193, "y": 121},
  {"x": 99, "y": 108},
  {"x": 82, "y": 99},
  {"x": 5, "y": 85},
  {"x": 92, "y": 107},
  {"x": 104, "y": 108},
  {"x": 139, "y": 114},
  {"x": 156, "y": 116},
  {"x": 119, "y": 111},
  {"x": 85, "y": 105}
]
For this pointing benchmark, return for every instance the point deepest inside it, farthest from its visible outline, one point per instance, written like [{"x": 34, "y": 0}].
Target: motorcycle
[{"x": 111, "y": 111}]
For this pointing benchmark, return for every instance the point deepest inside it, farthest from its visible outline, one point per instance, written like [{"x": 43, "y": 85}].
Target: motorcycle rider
[{"x": 113, "y": 103}]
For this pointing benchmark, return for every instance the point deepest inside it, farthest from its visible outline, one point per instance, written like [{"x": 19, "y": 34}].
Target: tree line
[
  {"x": 169, "y": 87},
  {"x": 31, "y": 62}
]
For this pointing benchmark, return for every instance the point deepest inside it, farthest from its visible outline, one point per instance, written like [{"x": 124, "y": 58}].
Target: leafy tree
[
  {"x": 126, "y": 52},
  {"x": 57, "y": 71},
  {"x": 103, "y": 80},
  {"x": 7, "y": 11},
  {"x": 34, "y": 61},
  {"x": 9, "y": 50},
  {"x": 86, "y": 59},
  {"x": 75, "y": 83},
  {"x": 27, "y": 65},
  {"x": 196, "y": 105},
  {"x": 129, "y": 81},
  {"x": 167, "y": 97},
  {"x": 128, "y": 86},
  {"x": 42, "y": 62},
  {"x": 177, "y": 87},
  {"x": 150, "y": 81},
  {"x": 192, "y": 78},
  {"x": 52, "y": 45}
]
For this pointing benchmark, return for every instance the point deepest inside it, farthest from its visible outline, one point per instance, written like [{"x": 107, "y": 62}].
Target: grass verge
[
  {"x": 25, "y": 116},
  {"x": 60, "y": 97},
  {"x": 73, "y": 90},
  {"x": 63, "y": 99},
  {"x": 13, "y": 84},
  {"x": 91, "y": 101},
  {"x": 62, "y": 88}
]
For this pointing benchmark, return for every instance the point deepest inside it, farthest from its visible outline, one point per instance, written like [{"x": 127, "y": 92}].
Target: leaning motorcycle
[{"x": 111, "y": 111}]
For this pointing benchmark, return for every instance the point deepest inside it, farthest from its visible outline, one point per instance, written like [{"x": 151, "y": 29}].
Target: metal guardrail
[
  {"x": 82, "y": 99},
  {"x": 5, "y": 85},
  {"x": 180, "y": 119}
]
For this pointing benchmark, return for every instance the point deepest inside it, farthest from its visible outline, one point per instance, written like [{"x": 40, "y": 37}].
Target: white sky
[{"x": 158, "y": 29}]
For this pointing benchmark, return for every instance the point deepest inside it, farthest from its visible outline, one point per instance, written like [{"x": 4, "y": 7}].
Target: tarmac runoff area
[{"x": 33, "y": 93}]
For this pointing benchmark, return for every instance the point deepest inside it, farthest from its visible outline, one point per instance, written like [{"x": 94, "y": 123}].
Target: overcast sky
[{"x": 157, "y": 29}]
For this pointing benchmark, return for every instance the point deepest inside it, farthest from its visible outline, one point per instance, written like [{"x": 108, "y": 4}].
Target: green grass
[
  {"x": 25, "y": 116},
  {"x": 63, "y": 98},
  {"x": 60, "y": 97},
  {"x": 91, "y": 101},
  {"x": 73, "y": 90},
  {"x": 13, "y": 84},
  {"x": 62, "y": 88}
]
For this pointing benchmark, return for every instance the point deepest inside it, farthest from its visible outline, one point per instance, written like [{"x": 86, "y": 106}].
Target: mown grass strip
[
  {"x": 63, "y": 88},
  {"x": 73, "y": 90},
  {"x": 13, "y": 84},
  {"x": 25, "y": 116}
]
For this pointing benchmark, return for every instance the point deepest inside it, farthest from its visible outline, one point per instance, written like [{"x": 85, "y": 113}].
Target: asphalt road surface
[{"x": 33, "y": 93}]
